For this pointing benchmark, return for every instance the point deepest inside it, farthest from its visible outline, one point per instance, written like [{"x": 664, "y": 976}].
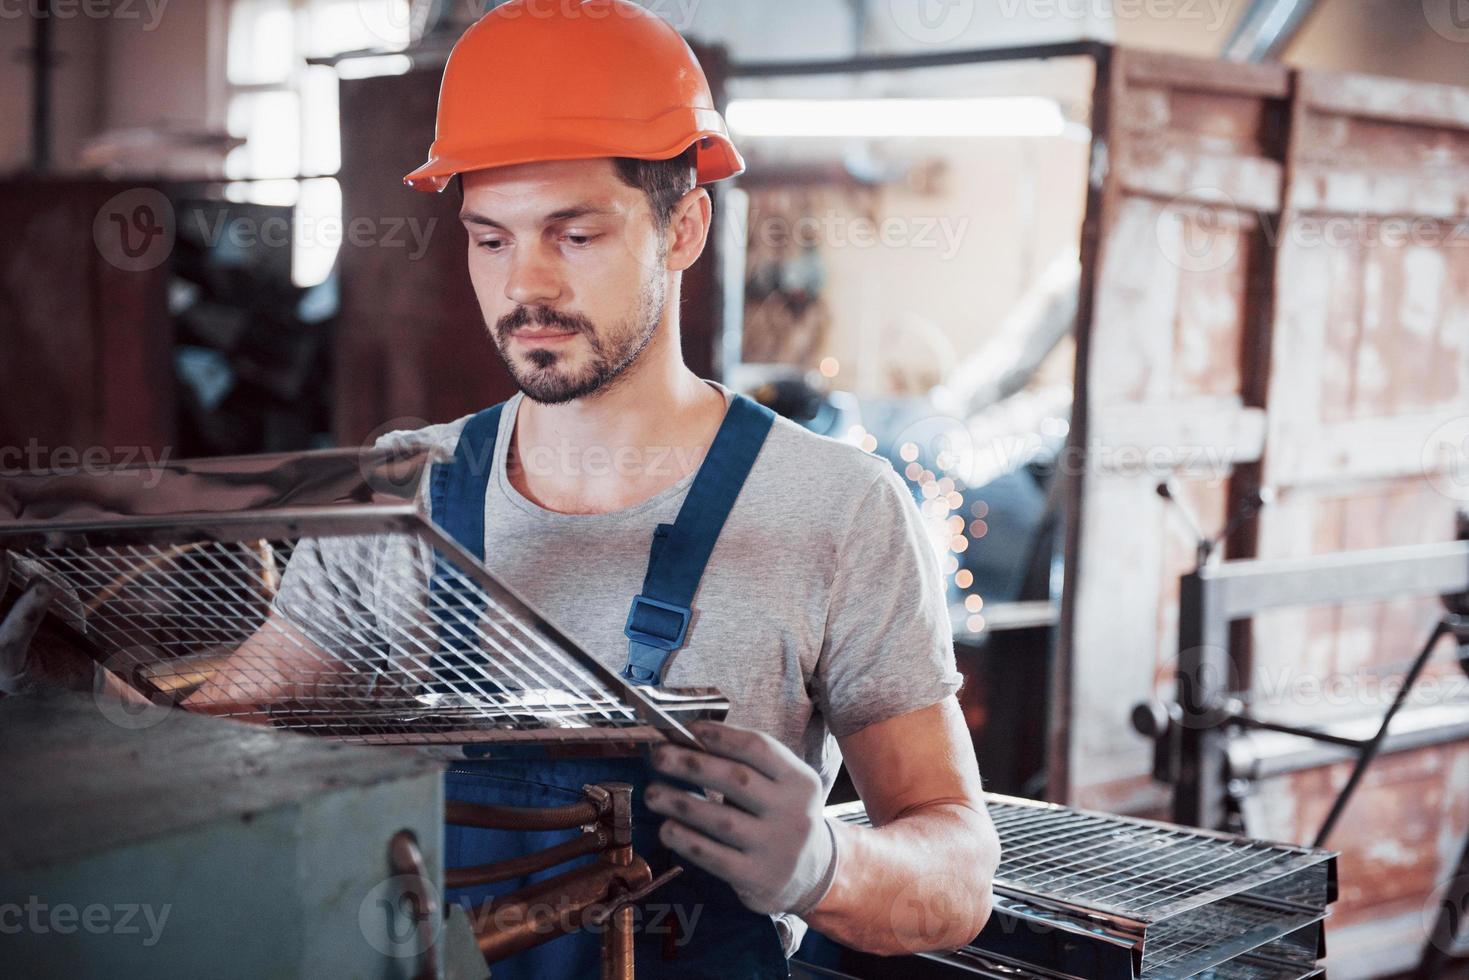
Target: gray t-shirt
[{"x": 822, "y": 609}]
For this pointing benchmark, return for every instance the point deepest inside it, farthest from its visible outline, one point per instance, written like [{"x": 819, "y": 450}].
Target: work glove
[{"x": 765, "y": 833}]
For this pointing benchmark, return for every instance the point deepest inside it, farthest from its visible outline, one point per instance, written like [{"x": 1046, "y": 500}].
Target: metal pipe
[
  {"x": 517, "y": 867},
  {"x": 905, "y": 62},
  {"x": 617, "y": 941},
  {"x": 1266, "y": 29},
  {"x": 552, "y": 908},
  {"x": 406, "y": 861},
  {"x": 489, "y": 817}
]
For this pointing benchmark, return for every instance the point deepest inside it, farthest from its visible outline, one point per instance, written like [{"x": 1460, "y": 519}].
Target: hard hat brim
[{"x": 716, "y": 158}]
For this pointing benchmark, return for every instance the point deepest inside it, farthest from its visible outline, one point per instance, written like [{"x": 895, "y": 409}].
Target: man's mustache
[{"x": 540, "y": 316}]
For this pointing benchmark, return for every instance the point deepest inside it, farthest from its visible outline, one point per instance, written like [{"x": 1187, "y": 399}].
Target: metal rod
[
  {"x": 908, "y": 62},
  {"x": 1369, "y": 752},
  {"x": 1245, "y": 721}
]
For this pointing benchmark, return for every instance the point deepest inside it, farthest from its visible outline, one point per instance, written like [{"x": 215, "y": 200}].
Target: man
[{"x": 581, "y": 135}]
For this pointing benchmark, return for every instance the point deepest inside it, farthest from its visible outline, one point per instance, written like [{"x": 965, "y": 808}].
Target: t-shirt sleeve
[{"x": 889, "y": 646}]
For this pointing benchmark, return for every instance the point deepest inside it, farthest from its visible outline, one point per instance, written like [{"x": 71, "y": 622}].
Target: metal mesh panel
[
  {"x": 1134, "y": 869},
  {"x": 347, "y": 614},
  {"x": 1130, "y": 898}
]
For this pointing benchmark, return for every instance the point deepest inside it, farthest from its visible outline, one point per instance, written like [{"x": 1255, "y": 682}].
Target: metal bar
[
  {"x": 1427, "y": 727},
  {"x": 908, "y": 62},
  {"x": 1204, "y": 680},
  {"x": 1249, "y": 587},
  {"x": 1245, "y": 721},
  {"x": 1369, "y": 751},
  {"x": 1266, "y": 29}
]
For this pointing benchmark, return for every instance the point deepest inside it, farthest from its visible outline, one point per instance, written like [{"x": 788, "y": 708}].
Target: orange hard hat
[{"x": 573, "y": 80}]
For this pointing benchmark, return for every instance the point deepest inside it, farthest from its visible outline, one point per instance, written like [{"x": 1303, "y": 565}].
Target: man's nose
[{"x": 534, "y": 279}]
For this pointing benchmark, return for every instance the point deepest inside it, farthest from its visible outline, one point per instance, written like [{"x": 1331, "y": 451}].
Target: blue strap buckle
[{"x": 661, "y": 625}]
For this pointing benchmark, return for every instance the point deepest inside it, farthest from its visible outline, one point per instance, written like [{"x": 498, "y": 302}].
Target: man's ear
[{"x": 688, "y": 229}]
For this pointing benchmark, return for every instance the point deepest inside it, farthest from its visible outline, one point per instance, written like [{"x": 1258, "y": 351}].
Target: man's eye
[
  {"x": 492, "y": 244},
  {"x": 580, "y": 239}
]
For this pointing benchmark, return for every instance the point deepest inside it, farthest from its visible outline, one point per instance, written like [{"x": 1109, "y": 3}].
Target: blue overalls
[{"x": 696, "y": 917}]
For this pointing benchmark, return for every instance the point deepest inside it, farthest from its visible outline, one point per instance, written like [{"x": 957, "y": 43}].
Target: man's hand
[{"x": 768, "y": 838}]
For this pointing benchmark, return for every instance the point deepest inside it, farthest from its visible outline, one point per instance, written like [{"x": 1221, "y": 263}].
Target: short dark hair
[{"x": 664, "y": 181}]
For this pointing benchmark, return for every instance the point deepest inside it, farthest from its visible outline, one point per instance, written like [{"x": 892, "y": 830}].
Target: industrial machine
[{"x": 312, "y": 594}]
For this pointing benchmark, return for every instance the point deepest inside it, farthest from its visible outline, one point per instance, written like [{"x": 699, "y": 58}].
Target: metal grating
[
  {"x": 347, "y": 614},
  {"x": 1091, "y": 894},
  {"x": 1131, "y": 868}
]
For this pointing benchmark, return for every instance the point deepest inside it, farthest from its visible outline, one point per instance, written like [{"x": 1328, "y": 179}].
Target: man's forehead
[{"x": 547, "y": 190}]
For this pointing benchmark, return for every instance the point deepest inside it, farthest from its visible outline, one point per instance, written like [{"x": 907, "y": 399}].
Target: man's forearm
[{"x": 919, "y": 883}]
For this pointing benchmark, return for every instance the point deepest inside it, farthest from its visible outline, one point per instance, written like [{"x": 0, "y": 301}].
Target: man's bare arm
[
  {"x": 277, "y": 663},
  {"x": 920, "y": 878}
]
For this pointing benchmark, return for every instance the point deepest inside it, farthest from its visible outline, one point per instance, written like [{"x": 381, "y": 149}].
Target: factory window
[{"x": 286, "y": 109}]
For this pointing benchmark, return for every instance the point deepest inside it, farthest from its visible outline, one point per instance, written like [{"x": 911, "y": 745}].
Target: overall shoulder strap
[
  {"x": 457, "y": 489},
  {"x": 658, "y": 622},
  {"x": 457, "y": 486}
]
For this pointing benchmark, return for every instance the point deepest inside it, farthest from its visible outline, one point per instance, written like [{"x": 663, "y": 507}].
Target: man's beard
[{"x": 611, "y": 356}]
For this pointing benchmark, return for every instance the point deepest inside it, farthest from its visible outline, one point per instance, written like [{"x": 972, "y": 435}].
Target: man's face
[{"x": 569, "y": 270}]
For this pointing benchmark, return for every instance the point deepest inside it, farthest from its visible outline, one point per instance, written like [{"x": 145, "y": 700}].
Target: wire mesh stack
[
  {"x": 311, "y": 591},
  {"x": 1101, "y": 897}
]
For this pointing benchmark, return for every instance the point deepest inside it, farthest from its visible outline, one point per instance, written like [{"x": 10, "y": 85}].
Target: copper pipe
[
  {"x": 617, "y": 941},
  {"x": 516, "y": 867},
  {"x": 406, "y": 861},
  {"x": 552, "y": 908},
  {"x": 488, "y": 817}
]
